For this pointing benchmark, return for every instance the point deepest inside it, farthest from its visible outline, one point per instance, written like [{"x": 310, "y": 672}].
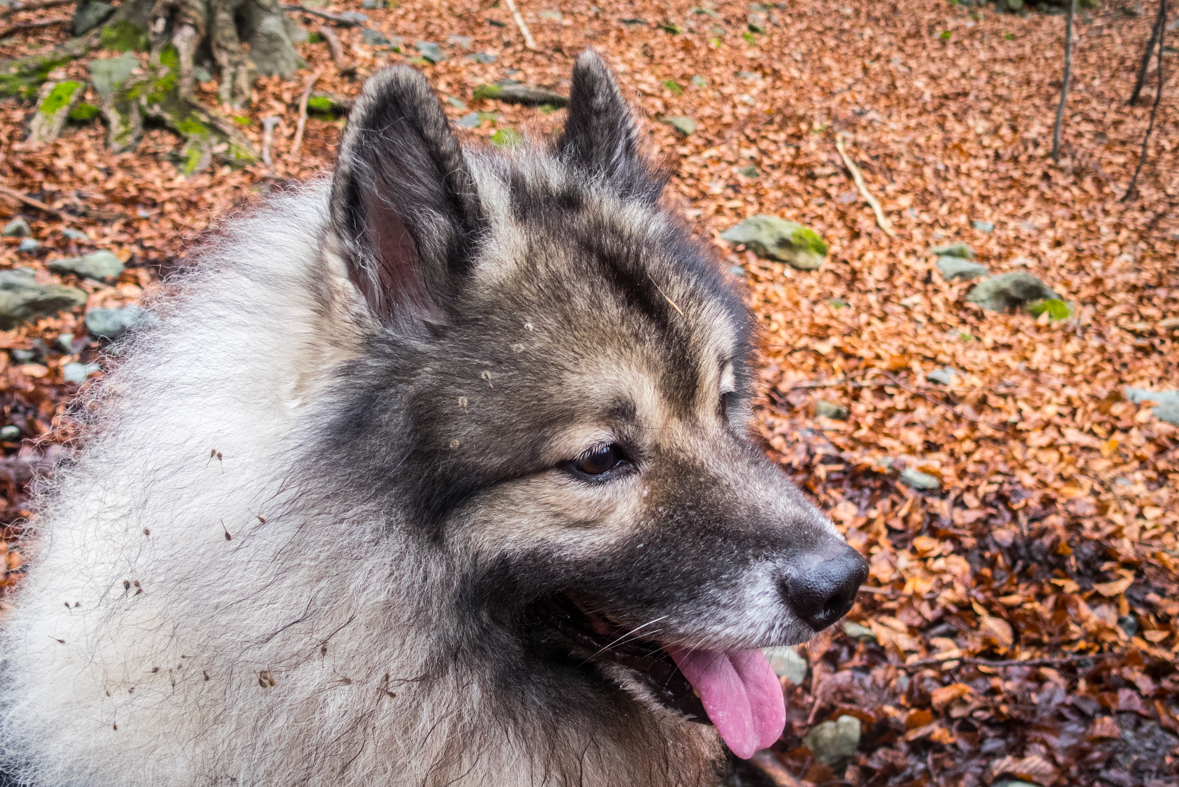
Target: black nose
[{"x": 824, "y": 592}]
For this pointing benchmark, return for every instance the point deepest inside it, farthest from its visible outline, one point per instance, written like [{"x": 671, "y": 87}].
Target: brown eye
[{"x": 600, "y": 460}]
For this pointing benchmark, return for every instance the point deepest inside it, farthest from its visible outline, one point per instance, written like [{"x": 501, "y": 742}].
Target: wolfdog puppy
[{"x": 434, "y": 473}]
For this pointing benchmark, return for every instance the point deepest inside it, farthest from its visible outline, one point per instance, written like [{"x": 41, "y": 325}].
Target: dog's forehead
[{"x": 614, "y": 290}]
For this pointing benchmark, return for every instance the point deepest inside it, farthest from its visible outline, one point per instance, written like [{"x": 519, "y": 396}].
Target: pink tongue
[{"x": 740, "y": 693}]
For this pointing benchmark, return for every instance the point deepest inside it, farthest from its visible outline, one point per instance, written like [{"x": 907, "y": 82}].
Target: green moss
[
  {"x": 946, "y": 35},
  {"x": 321, "y": 104},
  {"x": 673, "y": 86},
  {"x": 314, "y": 38},
  {"x": 191, "y": 128},
  {"x": 240, "y": 156},
  {"x": 750, "y": 38},
  {"x": 83, "y": 113},
  {"x": 124, "y": 36},
  {"x": 59, "y": 97},
  {"x": 243, "y": 121},
  {"x": 24, "y": 78},
  {"x": 1057, "y": 310},
  {"x": 488, "y": 91},
  {"x": 805, "y": 239},
  {"x": 507, "y": 138},
  {"x": 170, "y": 58}
]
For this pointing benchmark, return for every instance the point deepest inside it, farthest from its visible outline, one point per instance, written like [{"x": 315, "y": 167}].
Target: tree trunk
[
  {"x": 1156, "y": 33},
  {"x": 1068, "y": 72},
  {"x": 1158, "y": 97}
]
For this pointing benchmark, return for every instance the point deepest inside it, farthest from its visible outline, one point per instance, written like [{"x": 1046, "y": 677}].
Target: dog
[{"x": 436, "y": 472}]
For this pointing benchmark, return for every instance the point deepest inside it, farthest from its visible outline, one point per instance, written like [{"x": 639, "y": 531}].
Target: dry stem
[
  {"x": 311, "y": 80},
  {"x": 881, "y": 221},
  {"x": 528, "y": 40}
]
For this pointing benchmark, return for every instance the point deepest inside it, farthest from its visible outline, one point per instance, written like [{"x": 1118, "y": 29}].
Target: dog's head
[{"x": 557, "y": 391}]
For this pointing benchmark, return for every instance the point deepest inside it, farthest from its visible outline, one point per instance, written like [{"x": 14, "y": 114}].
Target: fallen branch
[
  {"x": 1005, "y": 663},
  {"x": 32, "y": 203},
  {"x": 528, "y": 40},
  {"x": 347, "y": 19},
  {"x": 16, "y": 28},
  {"x": 337, "y": 50},
  {"x": 311, "y": 80},
  {"x": 34, "y": 6},
  {"x": 881, "y": 221}
]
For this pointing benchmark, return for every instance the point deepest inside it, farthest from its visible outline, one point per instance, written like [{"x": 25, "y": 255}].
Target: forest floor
[{"x": 1022, "y": 615}]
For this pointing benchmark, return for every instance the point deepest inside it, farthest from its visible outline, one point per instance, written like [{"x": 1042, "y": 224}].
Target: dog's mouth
[{"x": 735, "y": 690}]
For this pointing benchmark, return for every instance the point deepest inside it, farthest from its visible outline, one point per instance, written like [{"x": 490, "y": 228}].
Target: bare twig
[
  {"x": 1158, "y": 97},
  {"x": 17, "y": 27},
  {"x": 337, "y": 50},
  {"x": 351, "y": 19},
  {"x": 774, "y": 771},
  {"x": 1155, "y": 31},
  {"x": 268, "y": 124},
  {"x": 16, "y": 8},
  {"x": 311, "y": 80},
  {"x": 1058, "y": 129},
  {"x": 29, "y": 201},
  {"x": 528, "y": 40},
  {"x": 883, "y": 223},
  {"x": 1006, "y": 663}
]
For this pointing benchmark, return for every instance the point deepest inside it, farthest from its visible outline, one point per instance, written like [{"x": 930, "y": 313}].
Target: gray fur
[{"x": 321, "y": 498}]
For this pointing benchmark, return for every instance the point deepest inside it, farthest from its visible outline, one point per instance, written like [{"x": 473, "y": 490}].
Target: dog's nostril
[{"x": 825, "y": 592}]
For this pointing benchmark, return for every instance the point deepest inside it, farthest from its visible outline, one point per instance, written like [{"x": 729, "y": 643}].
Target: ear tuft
[
  {"x": 404, "y": 204},
  {"x": 600, "y": 137}
]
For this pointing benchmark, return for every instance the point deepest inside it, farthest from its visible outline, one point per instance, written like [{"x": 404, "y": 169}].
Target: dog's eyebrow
[{"x": 622, "y": 410}]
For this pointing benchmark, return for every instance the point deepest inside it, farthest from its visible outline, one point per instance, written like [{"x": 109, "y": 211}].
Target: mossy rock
[
  {"x": 124, "y": 36},
  {"x": 1009, "y": 290},
  {"x": 23, "y": 78},
  {"x": 778, "y": 239}
]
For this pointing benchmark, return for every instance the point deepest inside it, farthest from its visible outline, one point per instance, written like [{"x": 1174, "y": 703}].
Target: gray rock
[
  {"x": 470, "y": 121},
  {"x": 373, "y": 37},
  {"x": 831, "y": 410},
  {"x": 107, "y": 75},
  {"x": 983, "y": 226},
  {"x": 462, "y": 42},
  {"x": 65, "y": 342},
  {"x": 77, "y": 373},
  {"x": 484, "y": 57},
  {"x": 1008, "y": 290},
  {"x": 430, "y": 51},
  {"x": 779, "y": 239},
  {"x": 512, "y": 92},
  {"x": 90, "y": 15},
  {"x": 699, "y": 81},
  {"x": 957, "y": 268},
  {"x": 113, "y": 323},
  {"x": 73, "y": 234},
  {"x": 748, "y": 171},
  {"x": 455, "y": 102},
  {"x": 1168, "y": 413},
  {"x": 97, "y": 265},
  {"x": 9, "y": 433},
  {"x": 786, "y": 663},
  {"x": 17, "y": 228},
  {"x": 923, "y": 482},
  {"x": 954, "y": 250},
  {"x": 28, "y": 246},
  {"x": 1139, "y": 395},
  {"x": 22, "y": 299},
  {"x": 684, "y": 126},
  {"x": 944, "y": 375},
  {"x": 833, "y": 742},
  {"x": 858, "y": 631}
]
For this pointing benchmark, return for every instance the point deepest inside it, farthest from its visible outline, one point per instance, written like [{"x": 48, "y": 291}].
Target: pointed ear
[
  {"x": 404, "y": 205},
  {"x": 600, "y": 137}
]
